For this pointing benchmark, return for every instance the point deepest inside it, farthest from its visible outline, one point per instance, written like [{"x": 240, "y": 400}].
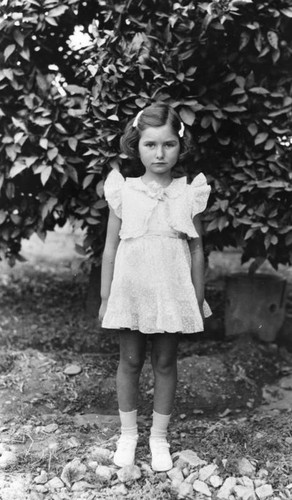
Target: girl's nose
[{"x": 159, "y": 152}]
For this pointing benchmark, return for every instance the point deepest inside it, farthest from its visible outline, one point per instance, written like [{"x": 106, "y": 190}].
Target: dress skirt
[{"x": 152, "y": 289}]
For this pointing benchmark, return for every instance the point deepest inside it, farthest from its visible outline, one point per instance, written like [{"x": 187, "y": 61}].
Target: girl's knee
[
  {"x": 164, "y": 365},
  {"x": 131, "y": 363}
]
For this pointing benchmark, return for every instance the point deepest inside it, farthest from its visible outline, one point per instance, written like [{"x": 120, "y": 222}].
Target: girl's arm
[
  {"x": 108, "y": 259},
  {"x": 198, "y": 263}
]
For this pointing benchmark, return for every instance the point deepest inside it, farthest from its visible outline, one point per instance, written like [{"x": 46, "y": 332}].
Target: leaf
[
  {"x": 273, "y": 39},
  {"x": 3, "y": 216},
  {"x": 58, "y": 11},
  {"x": 187, "y": 115},
  {"x": 87, "y": 180},
  {"x": 287, "y": 12},
  {"x": 17, "y": 168},
  {"x": 259, "y": 90},
  {"x": 99, "y": 189},
  {"x": 252, "y": 128},
  {"x": 8, "y": 51},
  {"x": 234, "y": 109},
  {"x": 45, "y": 175},
  {"x": 72, "y": 141},
  {"x": 48, "y": 206},
  {"x": 260, "y": 138},
  {"x": 270, "y": 144}
]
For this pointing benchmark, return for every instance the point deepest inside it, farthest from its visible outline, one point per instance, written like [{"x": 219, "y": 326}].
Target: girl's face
[{"x": 159, "y": 148}]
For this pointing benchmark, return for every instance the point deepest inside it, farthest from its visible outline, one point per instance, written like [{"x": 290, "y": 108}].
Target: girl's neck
[{"x": 164, "y": 181}]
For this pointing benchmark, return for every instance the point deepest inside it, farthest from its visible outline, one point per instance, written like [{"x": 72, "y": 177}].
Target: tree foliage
[{"x": 224, "y": 65}]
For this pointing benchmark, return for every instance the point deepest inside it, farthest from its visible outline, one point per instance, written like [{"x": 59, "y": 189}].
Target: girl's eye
[
  {"x": 150, "y": 144},
  {"x": 170, "y": 144}
]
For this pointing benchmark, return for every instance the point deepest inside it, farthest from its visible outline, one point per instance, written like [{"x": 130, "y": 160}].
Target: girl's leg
[
  {"x": 164, "y": 362},
  {"x": 132, "y": 355}
]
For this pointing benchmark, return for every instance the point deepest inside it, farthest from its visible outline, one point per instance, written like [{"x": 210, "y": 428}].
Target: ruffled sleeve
[
  {"x": 199, "y": 192},
  {"x": 113, "y": 191}
]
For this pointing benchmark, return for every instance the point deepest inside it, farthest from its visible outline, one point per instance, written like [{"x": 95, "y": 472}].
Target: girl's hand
[{"x": 102, "y": 310}]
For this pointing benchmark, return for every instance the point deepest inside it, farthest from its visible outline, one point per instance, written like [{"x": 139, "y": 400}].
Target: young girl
[{"x": 152, "y": 271}]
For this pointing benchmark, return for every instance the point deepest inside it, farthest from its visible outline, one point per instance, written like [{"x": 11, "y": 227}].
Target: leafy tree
[{"x": 225, "y": 66}]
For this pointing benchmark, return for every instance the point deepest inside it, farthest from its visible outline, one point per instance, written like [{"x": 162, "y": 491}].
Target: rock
[
  {"x": 259, "y": 482},
  {"x": 264, "y": 491},
  {"x": 81, "y": 486},
  {"x": 104, "y": 473},
  {"x": 55, "y": 484},
  {"x": 191, "y": 458},
  {"x": 92, "y": 464},
  {"x": 41, "y": 488},
  {"x": 201, "y": 487},
  {"x": 72, "y": 370},
  {"x": 8, "y": 459},
  {"x": 175, "y": 475},
  {"x": 192, "y": 477},
  {"x": 215, "y": 481},
  {"x": 244, "y": 492},
  {"x": 226, "y": 488},
  {"x": 42, "y": 478},
  {"x": 246, "y": 481},
  {"x": 147, "y": 469},
  {"x": 263, "y": 473},
  {"x": 207, "y": 471},
  {"x": 99, "y": 454},
  {"x": 73, "y": 471},
  {"x": 245, "y": 467},
  {"x": 119, "y": 489},
  {"x": 73, "y": 442},
  {"x": 129, "y": 474},
  {"x": 185, "y": 490},
  {"x": 288, "y": 440},
  {"x": 50, "y": 428}
]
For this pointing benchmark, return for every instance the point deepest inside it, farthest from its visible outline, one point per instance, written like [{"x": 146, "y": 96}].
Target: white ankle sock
[
  {"x": 128, "y": 423},
  {"x": 159, "y": 425}
]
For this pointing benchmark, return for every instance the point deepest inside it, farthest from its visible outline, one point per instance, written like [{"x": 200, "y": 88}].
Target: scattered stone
[
  {"x": 7, "y": 459},
  {"x": 119, "y": 489},
  {"x": 55, "y": 484},
  {"x": 41, "y": 488},
  {"x": 186, "y": 471},
  {"x": 104, "y": 473},
  {"x": 226, "y": 488},
  {"x": 245, "y": 467},
  {"x": 92, "y": 464},
  {"x": 129, "y": 474},
  {"x": 175, "y": 475},
  {"x": 101, "y": 455},
  {"x": 215, "y": 481},
  {"x": 201, "y": 487},
  {"x": 50, "y": 428},
  {"x": 42, "y": 478},
  {"x": 244, "y": 492},
  {"x": 288, "y": 440},
  {"x": 206, "y": 472},
  {"x": 81, "y": 486},
  {"x": 73, "y": 442},
  {"x": 73, "y": 471},
  {"x": 191, "y": 458},
  {"x": 246, "y": 481},
  {"x": 147, "y": 469},
  {"x": 264, "y": 491},
  {"x": 185, "y": 490},
  {"x": 192, "y": 477},
  {"x": 259, "y": 482},
  {"x": 72, "y": 370}
]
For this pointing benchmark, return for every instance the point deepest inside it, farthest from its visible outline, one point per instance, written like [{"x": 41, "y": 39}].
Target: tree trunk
[{"x": 93, "y": 295}]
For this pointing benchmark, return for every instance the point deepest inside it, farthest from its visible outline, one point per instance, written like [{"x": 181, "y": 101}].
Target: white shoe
[
  {"x": 125, "y": 453},
  {"x": 161, "y": 459}
]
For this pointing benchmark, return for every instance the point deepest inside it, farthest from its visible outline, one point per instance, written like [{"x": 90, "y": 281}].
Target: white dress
[{"x": 152, "y": 289}]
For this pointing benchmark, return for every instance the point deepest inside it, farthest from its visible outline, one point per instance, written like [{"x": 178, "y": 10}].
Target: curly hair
[{"x": 157, "y": 114}]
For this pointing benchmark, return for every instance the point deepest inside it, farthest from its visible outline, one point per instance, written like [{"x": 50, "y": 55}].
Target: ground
[{"x": 57, "y": 385}]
